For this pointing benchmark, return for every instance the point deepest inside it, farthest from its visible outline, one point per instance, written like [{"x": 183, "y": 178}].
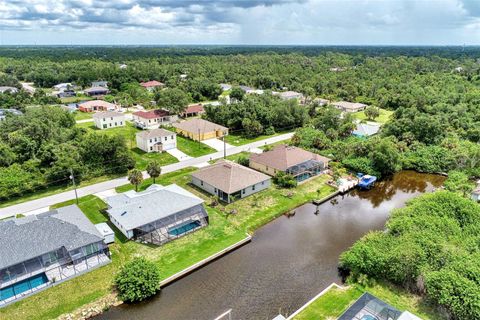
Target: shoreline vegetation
[{"x": 79, "y": 296}]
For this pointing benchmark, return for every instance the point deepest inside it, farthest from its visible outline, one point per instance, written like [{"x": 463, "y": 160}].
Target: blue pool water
[
  {"x": 368, "y": 317},
  {"x": 183, "y": 228},
  {"x": 23, "y": 286}
]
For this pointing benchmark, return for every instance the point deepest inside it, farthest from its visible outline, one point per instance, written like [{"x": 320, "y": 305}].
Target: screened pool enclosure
[{"x": 305, "y": 170}]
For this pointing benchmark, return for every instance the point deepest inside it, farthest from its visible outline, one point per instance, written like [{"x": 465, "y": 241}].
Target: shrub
[
  {"x": 284, "y": 180},
  {"x": 244, "y": 161},
  {"x": 137, "y": 280}
]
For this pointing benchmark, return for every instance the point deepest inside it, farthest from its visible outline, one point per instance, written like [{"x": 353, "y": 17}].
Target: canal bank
[{"x": 288, "y": 261}]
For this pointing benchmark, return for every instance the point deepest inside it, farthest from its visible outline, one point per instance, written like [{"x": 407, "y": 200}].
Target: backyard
[
  {"x": 384, "y": 116},
  {"x": 224, "y": 230},
  {"x": 335, "y": 301},
  {"x": 239, "y": 140}
]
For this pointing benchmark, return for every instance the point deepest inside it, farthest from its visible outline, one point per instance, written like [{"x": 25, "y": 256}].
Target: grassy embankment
[
  {"x": 224, "y": 230},
  {"x": 335, "y": 301}
]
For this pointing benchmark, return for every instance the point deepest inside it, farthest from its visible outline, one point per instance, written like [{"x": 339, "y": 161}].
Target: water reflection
[{"x": 288, "y": 262}]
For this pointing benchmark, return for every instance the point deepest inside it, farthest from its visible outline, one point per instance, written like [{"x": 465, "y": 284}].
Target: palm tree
[
  {"x": 135, "y": 177},
  {"x": 154, "y": 169}
]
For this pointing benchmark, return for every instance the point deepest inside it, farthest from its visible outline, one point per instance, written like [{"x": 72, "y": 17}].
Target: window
[
  {"x": 201, "y": 183},
  {"x": 151, "y": 148},
  {"x": 151, "y": 140},
  {"x": 121, "y": 123},
  {"x": 166, "y": 138},
  {"x": 110, "y": 124},
  {"x": 111, "y": 118},
  {"x": 104, "y": 126},
  {"x": 103, "y": 119},
  {"x": 253, "y": 187},
  {"x": 172, "y": 137},
  {"x": 155, "y": 139},
  {"x": 91, "y": 248},
  {"x": 115, "y": 124},
  {"x": 243, "y": 191},
  {"x": 263, "y": 182}
]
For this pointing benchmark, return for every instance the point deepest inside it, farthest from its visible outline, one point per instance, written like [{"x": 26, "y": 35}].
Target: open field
[
  {"x": 385, "y": 115},
  {"x": 224, "y": 230},
  {"x": 335, "y": 301}
]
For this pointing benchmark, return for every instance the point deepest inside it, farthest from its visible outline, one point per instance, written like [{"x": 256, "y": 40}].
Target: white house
[
  {"x": 108, "y": 119},
  {"x": 346, "y": 106},
  {"x": 158, "y": 214},
  {"x": 156, "y": 140}
]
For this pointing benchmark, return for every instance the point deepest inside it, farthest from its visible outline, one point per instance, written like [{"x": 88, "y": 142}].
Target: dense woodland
[{"x": 434, "y": 94}]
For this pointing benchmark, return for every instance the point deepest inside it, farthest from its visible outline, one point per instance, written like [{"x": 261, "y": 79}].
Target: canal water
[{"x": 288, "y": 261}]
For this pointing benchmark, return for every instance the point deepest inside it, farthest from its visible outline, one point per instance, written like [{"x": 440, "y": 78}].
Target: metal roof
[{"x": 135, "y": 209}]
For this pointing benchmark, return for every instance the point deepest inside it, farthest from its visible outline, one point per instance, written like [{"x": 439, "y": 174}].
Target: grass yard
[
  {"x": 224, "y": 230},
  {"x": 82, "y": 115},
  {"x": 193, "y": 148},
  {"x": 335, "y": 301},
  {"x": 239, "y": 140},
  {"x": 77, "y": 98},
  {"x": 383, "y": 118}
]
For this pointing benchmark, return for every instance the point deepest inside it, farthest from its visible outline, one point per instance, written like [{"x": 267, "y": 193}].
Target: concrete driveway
[
  {"x": 216, "y": 144},
  {"x": 179, "y": 154}
]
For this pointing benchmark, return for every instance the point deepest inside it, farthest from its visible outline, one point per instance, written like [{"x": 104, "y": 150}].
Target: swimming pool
[
  {"x": 183, "y": 228},
  {"x": 22, "y": 286}
]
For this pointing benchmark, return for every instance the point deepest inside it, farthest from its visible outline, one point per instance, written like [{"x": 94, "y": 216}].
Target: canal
[{"x": 288, "y": 261}]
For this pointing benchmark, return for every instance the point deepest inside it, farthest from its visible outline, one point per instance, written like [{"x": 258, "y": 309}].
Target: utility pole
[
  {"x": 72, "y": 177},
  {"x": 224, "y": 148}
]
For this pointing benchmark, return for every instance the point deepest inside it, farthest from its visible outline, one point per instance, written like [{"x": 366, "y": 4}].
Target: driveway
[
  {"x": 179, "y": 154},
  {"x": 39, "y": 204},
  {"x": 216, "y": 144}
]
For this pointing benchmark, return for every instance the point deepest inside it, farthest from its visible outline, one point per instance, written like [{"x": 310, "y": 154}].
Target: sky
[{"x": 241, "y": 22}]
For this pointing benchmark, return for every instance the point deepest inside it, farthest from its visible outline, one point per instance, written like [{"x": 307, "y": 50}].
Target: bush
[
  {"x": 284, "y": 180},
  {"x": 244, "y": 161},
  {"x": 138, "y": 280}
]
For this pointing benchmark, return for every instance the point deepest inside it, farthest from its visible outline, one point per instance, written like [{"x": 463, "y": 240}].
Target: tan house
[
  {"x": 156, "y": 140},
  {"x": 346, "y": 106},
  {"x": 199, "y": 129},
  {"x": 301, "y": 164},
  {"x": 96, "y": 105},
  {"x": 230, "y": 181}
]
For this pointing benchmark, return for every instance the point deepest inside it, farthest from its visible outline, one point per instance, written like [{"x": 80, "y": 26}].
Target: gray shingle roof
[
  {"x": 26, "y": 238},
  {"x": 155, "y": 133},
  {"x": 108, "y": 114},
  {"x": 135, "y": 209}
]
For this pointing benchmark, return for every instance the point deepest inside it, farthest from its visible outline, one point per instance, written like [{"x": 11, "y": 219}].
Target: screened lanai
[{"x": 305, "y": 170}]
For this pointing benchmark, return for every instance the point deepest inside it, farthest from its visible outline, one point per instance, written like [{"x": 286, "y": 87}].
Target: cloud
[{"x": 240, "y": 21}]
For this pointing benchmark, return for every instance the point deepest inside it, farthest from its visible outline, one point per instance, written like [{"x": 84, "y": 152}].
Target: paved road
[{"x": 111, "y": 184}]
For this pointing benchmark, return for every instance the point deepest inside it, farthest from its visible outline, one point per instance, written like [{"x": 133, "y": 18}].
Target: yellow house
[{"x": 199, "y": 129}]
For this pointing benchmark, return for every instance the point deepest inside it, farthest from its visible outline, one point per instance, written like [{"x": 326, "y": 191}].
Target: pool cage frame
[
  {"x": 311, "y": 167},
  {"x": 157, "y": 232},
  {"x": 62, "y": 269},
  {"x": 369, "y": 305}
]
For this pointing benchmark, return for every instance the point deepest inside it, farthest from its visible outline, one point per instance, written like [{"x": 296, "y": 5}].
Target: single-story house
[
  {"x": 152, "y": 119},
  {"x": 366, "y": 129},
  {"x": 108, "y": 119},
  {"x": 38, "y": 251},
  {"x": 193, "y": 110},
  {"x": 96, "y": 105},
  {"x": 5, "y": 89},
  {"x": 100, "y": 83},
  {"x": 346, "y": 106},
  {"x": 63, "y": 86},
  {"x": 151, "y": 85},
  {"x": 225, "y": 86},
  {"x": 289, "y": 95},
  {"x": 200, "y": 129},
  {"x": 156, "y": 140},
  {"x": 246, "y": 89},
  {"x": 157, "y": 215},
  {"x": 230, "y": 181},
  {"x": 299, "y": 163},
  {"x": 66, "y": 93},
  {"x": 4, "y": 112},
  {"x": 96, "y": 91}
]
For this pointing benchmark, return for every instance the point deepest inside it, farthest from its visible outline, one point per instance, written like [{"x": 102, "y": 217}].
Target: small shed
[{"x": 106, "y": 232}]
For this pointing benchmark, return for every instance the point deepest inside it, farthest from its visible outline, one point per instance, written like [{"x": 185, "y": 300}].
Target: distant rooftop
[
  {"x": 107, "y": 114},
  {"x": 155, "y": 133},
  {"x": 197, "y": 126}
]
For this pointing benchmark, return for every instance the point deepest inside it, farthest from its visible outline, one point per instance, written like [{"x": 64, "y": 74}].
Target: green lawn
[
  {"x": 335, "y": 301},
  {"x": 224, "y": 230},
  {"x": 193, "y": 148},
  {"x": 82, "y": 115},
  {"x": 239, "y": 140},
  {"x": 383, "y": 118},
  {"x": 78, "y": 98}
]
